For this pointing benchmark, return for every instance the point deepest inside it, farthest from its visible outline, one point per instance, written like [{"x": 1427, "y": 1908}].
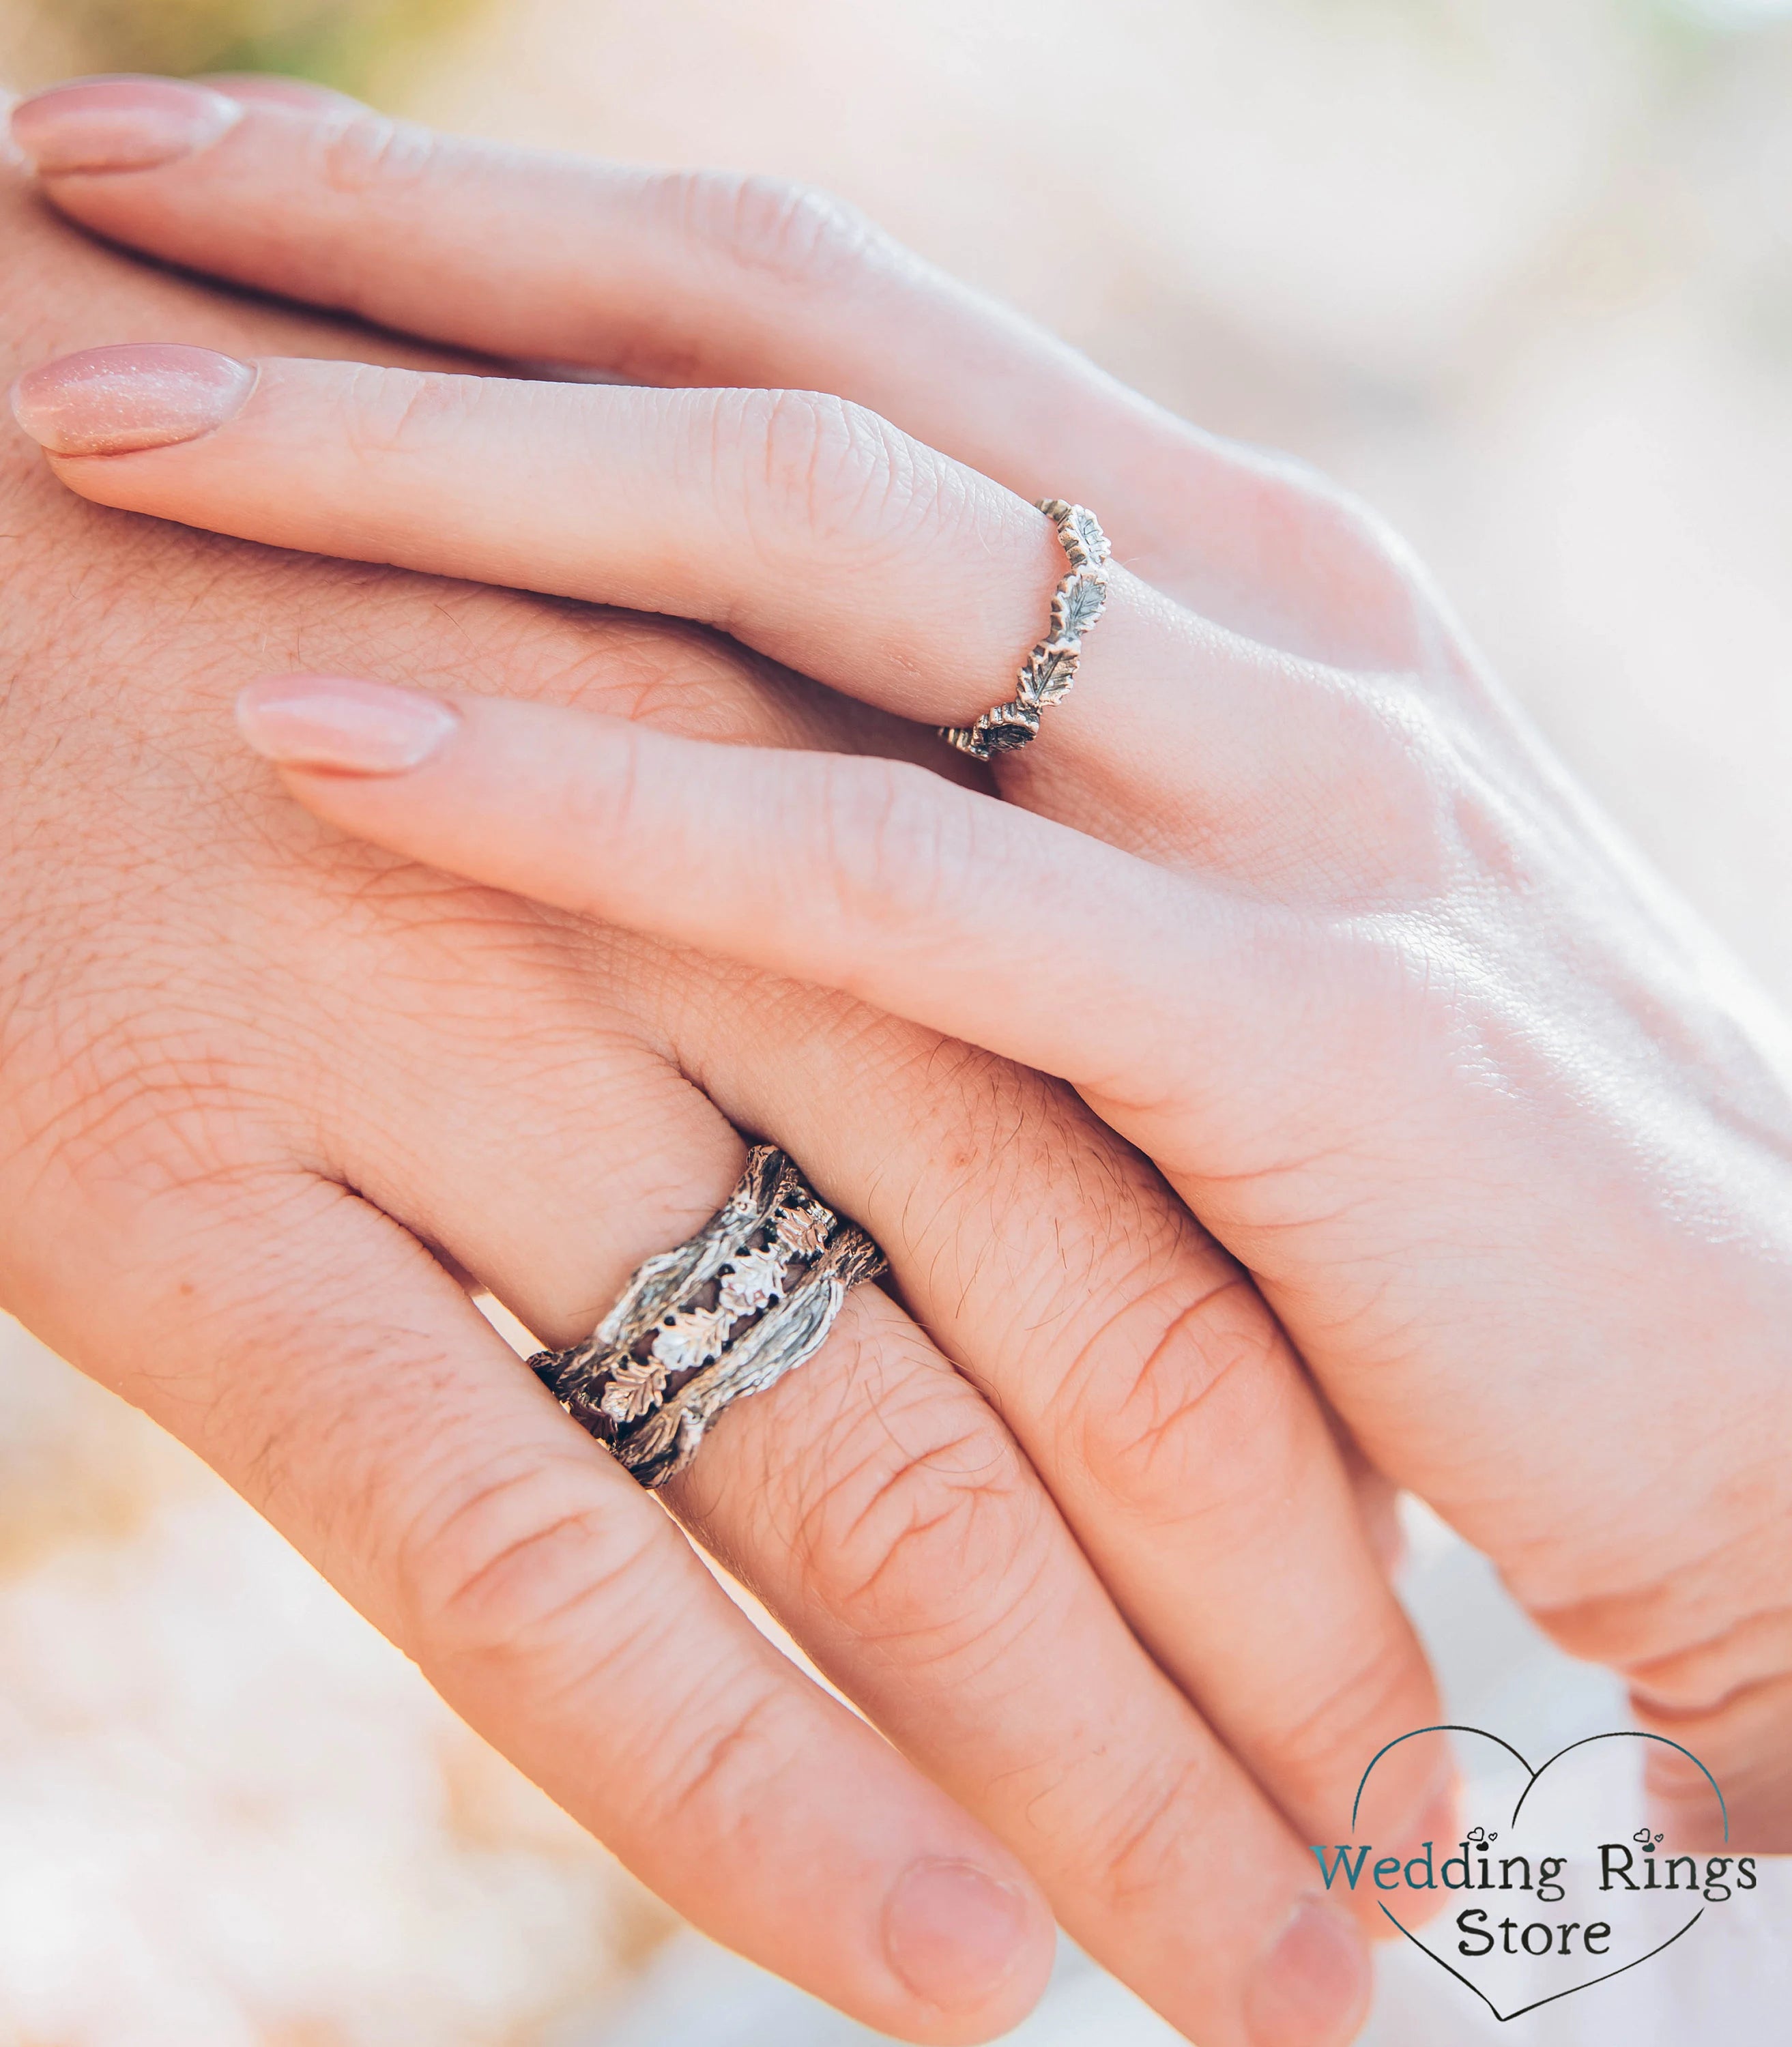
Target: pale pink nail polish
[
  {"x": 1313, "y": 1988},
  {"x": 119, "y": 124},
  {"x": 953, "y": 1934},
  {"x": 115, "y": 401},
  {"x": 342, "y": 723}
]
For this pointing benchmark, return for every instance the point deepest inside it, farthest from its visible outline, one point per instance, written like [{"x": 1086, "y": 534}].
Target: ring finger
[
  {"x": 877, "y": 1504},
  {"x": 808, "y": 528}
]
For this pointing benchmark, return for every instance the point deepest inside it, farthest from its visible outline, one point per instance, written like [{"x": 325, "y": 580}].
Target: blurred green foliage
[
  {"x": 339, "y": 42},
  {"x": 347, "y": 43}
]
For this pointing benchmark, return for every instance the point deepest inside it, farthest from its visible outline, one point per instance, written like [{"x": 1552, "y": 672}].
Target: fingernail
[
  {"x": 115, "y": 401},
  {"x": 341, "y": 723},
  {"x": 119, "y": 124},
  {"x": 953, "y": 1934},
  {"x": 1313, "y": 1989}
]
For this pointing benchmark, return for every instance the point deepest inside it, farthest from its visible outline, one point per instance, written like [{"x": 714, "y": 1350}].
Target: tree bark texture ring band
[
  {"x": 1048, "y": 672},
  {"x": 749, "y": 1297}
]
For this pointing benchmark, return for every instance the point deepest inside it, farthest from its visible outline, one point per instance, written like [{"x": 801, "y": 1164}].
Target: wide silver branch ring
[
  {"x": 1048, "y": 672},
  {"x": 748, "y": 1299}
]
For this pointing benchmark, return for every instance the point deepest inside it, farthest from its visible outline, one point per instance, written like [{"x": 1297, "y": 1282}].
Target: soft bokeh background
[{"x": 1521, "y": 270}]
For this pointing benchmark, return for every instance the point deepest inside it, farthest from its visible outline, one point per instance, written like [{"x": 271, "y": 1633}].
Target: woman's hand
[
  {"x": 252, "y": 1073},
  {"x": 1304, "y": 910}
]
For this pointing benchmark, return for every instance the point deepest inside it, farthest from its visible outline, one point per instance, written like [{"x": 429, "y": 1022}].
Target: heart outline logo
[{"x": 1531, "y": 1777}]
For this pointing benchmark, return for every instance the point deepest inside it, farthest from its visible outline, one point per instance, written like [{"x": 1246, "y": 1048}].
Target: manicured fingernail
[
  {"x": 953, "y": 1934},
  {"x": 115, "y": 401},
  {"x": 1313, "y": 1989},
  {"x": 341, "y": 723},
  {"x": 119, "y": 124}
]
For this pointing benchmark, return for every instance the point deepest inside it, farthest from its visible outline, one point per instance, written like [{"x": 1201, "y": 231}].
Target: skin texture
[
  {"x": 1288, "y": 891},
  {"x": 1060, "y": 1510}
]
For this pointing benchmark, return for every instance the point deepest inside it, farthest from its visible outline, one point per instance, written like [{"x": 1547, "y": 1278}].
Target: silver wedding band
[
  {"x": 729, "y": 1312},
  {"x": 1049, "y": 671}
]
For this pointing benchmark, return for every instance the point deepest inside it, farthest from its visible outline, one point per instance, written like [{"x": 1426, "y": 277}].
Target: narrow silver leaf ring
[{"x": 1047, "y": 674}]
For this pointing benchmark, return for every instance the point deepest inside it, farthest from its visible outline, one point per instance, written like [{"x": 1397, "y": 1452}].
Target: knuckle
[
  {"x": 1190, "y": 1431},
  {"x": 1388, "y": 733},
  {"x": 1359, "y": 566},
  {"x": 596, "y": 805},
  {"x": 1627, "y": 1625},
  {"x": 1152, "y": 1833},
  {"x": 1349, "y": 530},
  {"x": 522, "y": 1570},
  {"x": 1418, "y": 822},
  {"x": 1378, "y": 1697},
  {"x": 916, "y": 1513},
  {"x": 1727, "y": 1744},
  {"x": 362, "y": 151},
  {"x": 833, "y": 473},
  {"x": 1741, "y": 1739},
  {"x": 895, "y": 844},
  {"x": 1706, "y": 1678},
  {"x": 1686, "y": 1631},
  {"x": 717, "y": 1778},
  {"x": 791, "y": 232},
  {"x": 528, "y": 1586},
  {"x": 389, "y": 411}
]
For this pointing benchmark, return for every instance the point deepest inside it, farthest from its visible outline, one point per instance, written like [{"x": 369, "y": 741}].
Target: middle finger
[
  {"x": 881, "y": 1509},
  {"x": 1140, "y": 1372}
]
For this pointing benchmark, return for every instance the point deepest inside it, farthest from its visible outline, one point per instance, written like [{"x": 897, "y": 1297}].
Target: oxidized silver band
[
  {"x": 750, "y": 1296},
  {"x": 1051, "y": 668}
]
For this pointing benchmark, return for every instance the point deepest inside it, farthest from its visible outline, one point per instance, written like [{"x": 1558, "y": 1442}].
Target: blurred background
[{"x": 1520, "y": 271}]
